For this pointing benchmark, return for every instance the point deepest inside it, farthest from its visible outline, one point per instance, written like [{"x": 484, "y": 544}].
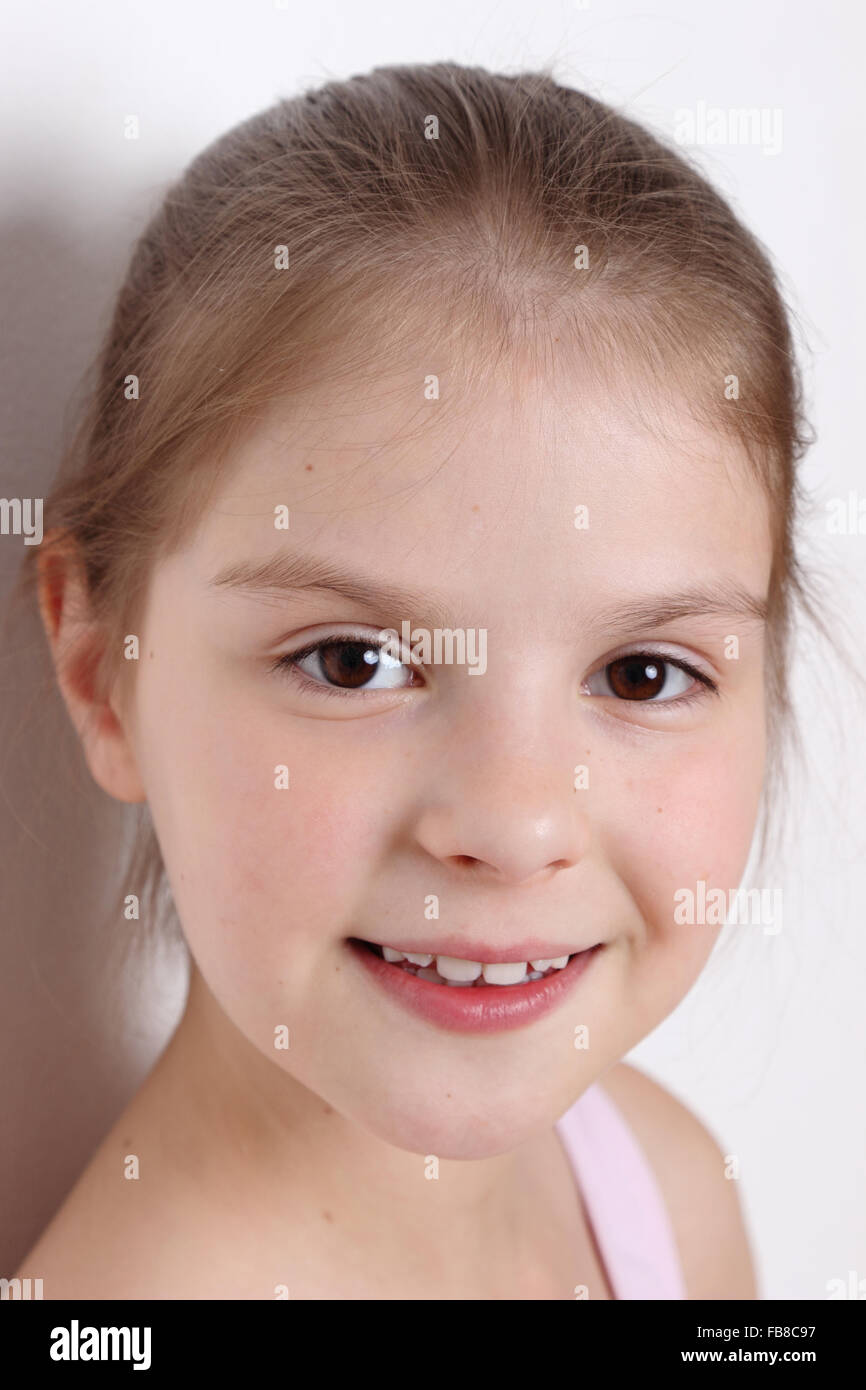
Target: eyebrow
[
  {"x": 299, "y": 573},
  {"x": 724, "y": 598}
]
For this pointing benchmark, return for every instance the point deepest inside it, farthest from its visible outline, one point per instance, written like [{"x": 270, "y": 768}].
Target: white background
[{"x": 769, "y": 1048}]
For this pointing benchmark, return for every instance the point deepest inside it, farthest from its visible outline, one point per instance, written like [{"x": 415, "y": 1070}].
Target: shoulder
[
  {"x": 116, "y": 1233},
  {"x": 91, "y": 1240},
  {"x": 689, "y": 1166}
]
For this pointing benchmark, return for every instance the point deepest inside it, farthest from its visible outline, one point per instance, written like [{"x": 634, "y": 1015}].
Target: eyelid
[
  {"x": 663, "y": 652},
  {"x": 373, "y": 636},
  {"x": 326, "y": 634},
  {"x": 330, "y": 637}
]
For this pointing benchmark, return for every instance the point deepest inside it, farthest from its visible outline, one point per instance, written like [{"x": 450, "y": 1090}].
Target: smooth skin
[{"x": 305, "y": 1167}]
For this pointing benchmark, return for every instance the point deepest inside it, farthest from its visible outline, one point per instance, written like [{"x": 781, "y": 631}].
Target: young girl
[{"x": 424, "y": 562}]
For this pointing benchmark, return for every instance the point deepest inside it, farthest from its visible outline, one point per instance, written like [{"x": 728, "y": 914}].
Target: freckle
[
  {"x": 328, "y": 1217},
  {"x": 309, "y": 468},
  {"x": 151, "y": 656},
  {"x": 447, "y": 1095},
  {"x": 476, "y": 508},
  {"x": 659, "y": 809},
  {"x": 329, "y": 1109}
]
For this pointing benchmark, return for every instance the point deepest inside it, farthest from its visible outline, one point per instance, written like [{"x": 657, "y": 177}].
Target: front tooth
[
  {"x": 419, "y": 959},
  {"x": 560, "y": 963},
  {"x": 541, "y": 964},
  {"x": 453, "y": 968},
  {"x": 510, "y": 973},
  {"x": 391, "y": 954}
]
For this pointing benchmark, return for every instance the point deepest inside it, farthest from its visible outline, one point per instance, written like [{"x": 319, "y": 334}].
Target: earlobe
[{"x": 77, "y": 643}]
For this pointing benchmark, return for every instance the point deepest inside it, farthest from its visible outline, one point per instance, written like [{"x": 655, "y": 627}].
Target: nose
[{"x": 506, "y": 819}]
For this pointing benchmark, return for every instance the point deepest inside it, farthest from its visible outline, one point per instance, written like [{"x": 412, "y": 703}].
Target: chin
[{"x": 464, "y": 1124}]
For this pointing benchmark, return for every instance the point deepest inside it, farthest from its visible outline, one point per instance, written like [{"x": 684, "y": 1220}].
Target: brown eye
[
  {"x": 349, "y": 664},
  {"x": 636, "y": 677},
  {"x": 647, "y": 678}
]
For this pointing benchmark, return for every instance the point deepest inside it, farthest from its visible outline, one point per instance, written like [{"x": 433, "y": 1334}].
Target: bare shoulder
[
  {"x": 95, "y": 1240},
  {"x": 115, "y": 1232},
  {"x": 689, "y": 1166}
]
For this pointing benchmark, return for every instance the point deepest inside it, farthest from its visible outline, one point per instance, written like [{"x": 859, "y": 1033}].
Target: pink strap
[{"x": 624, "y": 1204}]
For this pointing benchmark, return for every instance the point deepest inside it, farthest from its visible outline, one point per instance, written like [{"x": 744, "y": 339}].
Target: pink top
[{"x": 624, "y": 1206}]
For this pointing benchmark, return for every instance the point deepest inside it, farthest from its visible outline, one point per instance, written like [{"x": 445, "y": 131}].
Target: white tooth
[
  {"x": 505, "y": 974},
  {"x": 391, "y": 954},
  {"x": 418, "y": 959},
  {"x": 541, "y": 964},
  {"x": 428, "y": 975},
  {"x": 453, "y": 968},
  {"x": 535, "y": 974},
  {"x": 560, "y": 963}
]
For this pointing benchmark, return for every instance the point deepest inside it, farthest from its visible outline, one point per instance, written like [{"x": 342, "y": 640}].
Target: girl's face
[{"x": 530, "y": 802}]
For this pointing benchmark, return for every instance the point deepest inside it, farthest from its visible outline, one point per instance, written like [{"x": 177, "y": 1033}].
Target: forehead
[{"x": 482, "y": 487}]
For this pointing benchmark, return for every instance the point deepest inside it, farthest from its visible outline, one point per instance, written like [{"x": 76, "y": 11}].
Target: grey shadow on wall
[{"x": 83, "y": 1020}]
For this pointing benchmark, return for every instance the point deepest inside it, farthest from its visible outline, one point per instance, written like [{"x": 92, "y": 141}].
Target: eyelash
[
  {"x": 287, "y": 665},
  {"x": 710, "y": 687}
]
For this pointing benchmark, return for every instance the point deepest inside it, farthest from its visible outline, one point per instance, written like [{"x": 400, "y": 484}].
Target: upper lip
[{"x": 484, "y": 951}]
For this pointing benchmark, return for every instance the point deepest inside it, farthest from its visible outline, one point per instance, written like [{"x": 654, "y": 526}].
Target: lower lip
[{"x": 484, "y": 1009}]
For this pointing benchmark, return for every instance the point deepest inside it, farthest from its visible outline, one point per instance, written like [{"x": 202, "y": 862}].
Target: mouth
[
  {"x": 462, "y": 973},
  {"x": 471, "y": 995}
]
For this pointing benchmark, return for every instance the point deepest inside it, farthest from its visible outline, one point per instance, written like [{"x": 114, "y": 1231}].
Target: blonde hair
[{"x": 440, "y": 186}]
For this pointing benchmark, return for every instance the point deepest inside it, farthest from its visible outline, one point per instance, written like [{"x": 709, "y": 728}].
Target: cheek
[
  {"x": 248, "y": 856},
  {"x": 692, "y": 819}
]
